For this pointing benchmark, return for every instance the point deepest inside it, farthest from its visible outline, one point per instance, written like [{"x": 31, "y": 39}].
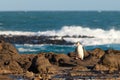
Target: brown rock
[
  {"x": 98, "y": 52},
  {"x": 37, "y": 78},
  {"x": 25, "y": 61},
  {"x": 113, "y": 51},
  {"x": 5, "y": 77},
  {"x": 12, "y": 67},
  {"x": 72, "y": 54},
  {"x": 112, "y": 61},
  {"x": 42, "y": 64},
  {"x": 100, "y": 67},
  {"x": 62, "y": 60},
  {"x": 9, "y": 49},
  {"x": 29, "y": 74},
  {"x": 80, "y": 68},
  {"x": 8, "y": 57},
  {"x": 89, "y": 61}
]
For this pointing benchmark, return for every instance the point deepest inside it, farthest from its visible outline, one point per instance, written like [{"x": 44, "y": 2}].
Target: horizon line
[{"x": 55, "y": 10}]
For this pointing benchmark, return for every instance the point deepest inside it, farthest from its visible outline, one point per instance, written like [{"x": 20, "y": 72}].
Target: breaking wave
[{"x": 100, "y": 36}]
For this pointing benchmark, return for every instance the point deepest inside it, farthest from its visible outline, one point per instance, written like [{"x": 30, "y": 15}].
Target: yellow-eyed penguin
[{"x": 79, "y": 50}]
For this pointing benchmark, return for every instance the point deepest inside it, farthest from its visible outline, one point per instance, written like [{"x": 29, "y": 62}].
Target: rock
[
  {"x": 112, "y": 61},
  {"x": 98, "y": 52},
  {"x": 8, "y": 57},
  {"x": 72, "y": 54},
  {"x": 25, "y": 61},
  {"x": 4, "y": 71},
  {"x": 37, "y": 78},
  {"x": 9, "y": 49},
  {"x": 80, "y": 68},
  {"x": 49, "y": 56},
  {"x": 100, "y": 67},
  {"x": 12, "y": 67},
  {"x": 42, "y": 65},
  {"x": 29, "y": 74},
  {"x": 62, "y": 60},
  {"x": 5, "y": 77},
  {"x": 112, "y": 51},
  {"x": 34, "y": 40}
]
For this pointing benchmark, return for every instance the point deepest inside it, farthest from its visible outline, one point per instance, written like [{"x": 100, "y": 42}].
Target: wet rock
[
  {"x": 21, "y": 39},
  {"x": 34, "y": 40}
]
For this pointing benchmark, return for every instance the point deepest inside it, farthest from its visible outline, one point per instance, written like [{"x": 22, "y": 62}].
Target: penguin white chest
[{"x": 80, "y": 51}]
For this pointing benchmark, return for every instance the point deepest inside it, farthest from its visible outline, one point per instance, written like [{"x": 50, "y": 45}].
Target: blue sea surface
[{"x": 104, "y": 26}]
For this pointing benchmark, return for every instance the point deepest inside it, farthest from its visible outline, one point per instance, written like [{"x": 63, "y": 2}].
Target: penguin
[{"x": 79, "y": 50}]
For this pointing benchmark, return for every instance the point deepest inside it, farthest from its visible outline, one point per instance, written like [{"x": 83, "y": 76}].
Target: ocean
[{"x": 103, "y": 26}]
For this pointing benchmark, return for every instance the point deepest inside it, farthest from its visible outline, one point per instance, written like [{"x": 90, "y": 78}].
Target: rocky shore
[
  {"x": 39, "y": 39},
  {"x": 97, "y": 64}
]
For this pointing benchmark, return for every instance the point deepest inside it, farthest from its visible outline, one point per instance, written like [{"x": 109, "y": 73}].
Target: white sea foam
[
  {"x": 26, "y": 50},
  {"x": 101, "y": 36},
  {"x": 17, "y": 33}
]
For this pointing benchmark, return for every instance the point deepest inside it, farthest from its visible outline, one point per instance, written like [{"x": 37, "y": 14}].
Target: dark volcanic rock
[
  {"x": 21, "y": 39},
  {"x": 34, "y": 40}
]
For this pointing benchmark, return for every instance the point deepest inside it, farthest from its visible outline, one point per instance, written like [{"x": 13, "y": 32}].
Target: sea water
[{"x": 103, "y": 26}]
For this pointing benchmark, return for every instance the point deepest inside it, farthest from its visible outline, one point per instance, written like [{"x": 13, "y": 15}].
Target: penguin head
[{"x": 78, "y": 43}]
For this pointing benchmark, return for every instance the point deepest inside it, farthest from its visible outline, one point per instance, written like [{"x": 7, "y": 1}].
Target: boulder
[
  {"x": 8, "y": 58},
  {"x": 62, "y": 60},
  {"x": 98, "y": 52},
  {"x": 25, "y": 61},
  {"x": 112, "y": 61},
  {"x": 8, "y": 50},
  {"x": 41, "y": 65}
]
